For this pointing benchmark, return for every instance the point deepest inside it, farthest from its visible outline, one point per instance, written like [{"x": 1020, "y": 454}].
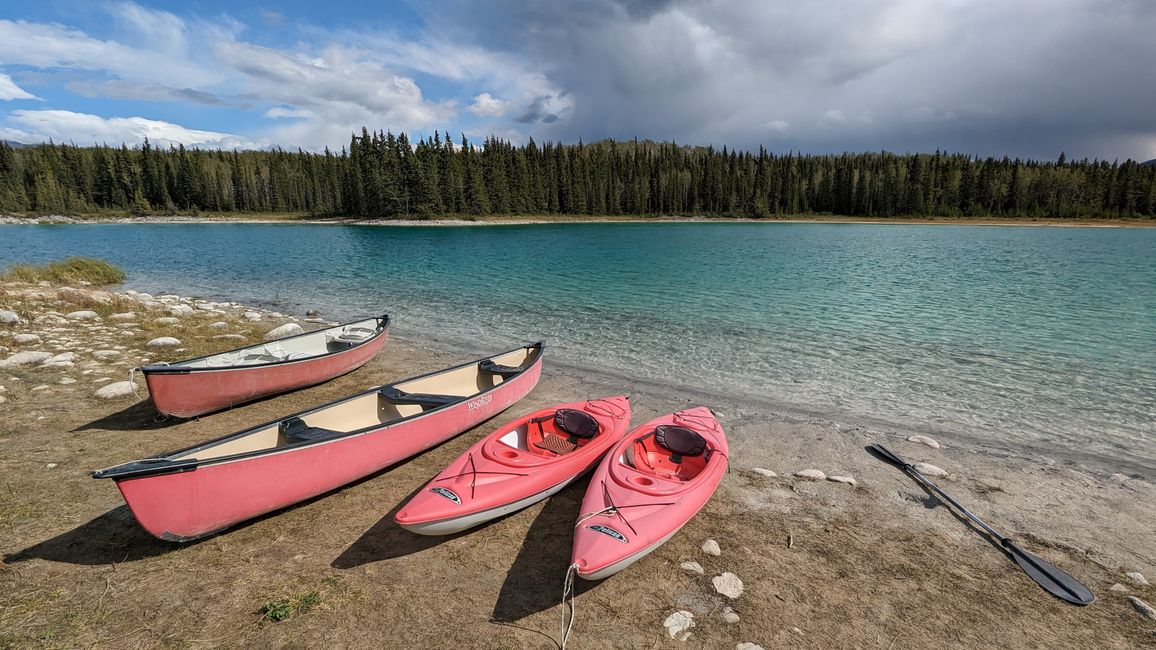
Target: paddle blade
[
  {"x": 1054, "y": 580},
  {"x": 887, "y": 455}
]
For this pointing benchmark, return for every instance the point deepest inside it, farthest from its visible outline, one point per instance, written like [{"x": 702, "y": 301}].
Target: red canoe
[
  {"x": 202, "y": 385},
  {"x": 517, "y": 465},
  {"x": 646, "y": 489},
  {"x": 200, "y": 490}
]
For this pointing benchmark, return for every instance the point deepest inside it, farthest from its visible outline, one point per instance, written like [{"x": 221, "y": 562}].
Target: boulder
[
  {"x": 288, "y": 329},
  {"x": 81, "y": 315},
  {"x": 25, "y": 359},
  {"x": 9, "y": 317},
  {"x": 115, "y": 390},
  {"x": 181, "y": 310},
  {"x": 164, "y": 342},
  {"x": 24, "y": 339}
]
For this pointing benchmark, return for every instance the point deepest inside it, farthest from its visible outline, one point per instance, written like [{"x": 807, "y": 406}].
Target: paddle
[{"x": 1055, "y": 581}]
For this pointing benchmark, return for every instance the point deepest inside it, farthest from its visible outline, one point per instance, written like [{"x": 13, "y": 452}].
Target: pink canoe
[
  {"x": 646, "y": 489},
  {"x": 517, "y": 465},
  {"x": 200, "y": 490},
  {"x": 202, "y": 385}
]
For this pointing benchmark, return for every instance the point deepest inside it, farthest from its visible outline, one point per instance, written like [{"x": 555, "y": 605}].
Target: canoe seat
[
  {"x": 297, "y": 430},
  {"x": 490, "y": 368},
  {"x": 395, "y": 395}
]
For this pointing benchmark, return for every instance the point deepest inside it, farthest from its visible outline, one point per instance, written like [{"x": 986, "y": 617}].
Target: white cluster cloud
[
  {"x": 9, "y": 90},
  {"x": 84, "y": 129}
]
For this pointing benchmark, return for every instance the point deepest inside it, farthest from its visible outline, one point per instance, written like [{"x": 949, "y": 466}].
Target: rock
[
  {"x": 1118, "y": 587},
  {"x": 710, "y": 547},
  {"x": 797, "y": 631},
  {"x": 167, "y": 320},
  {"x": 105, "y": 355},
  {"x": 50, "y": 466},
  {"x": 729, "y": 615},
  {"x": 319, "y": 321},
  {"x": 230, "y": 337},
  {"x": 163, "y": 342},
  {"x": 82, "y": 297},
  {"x": 927, "y": 469},
  {"x": 181, "y": 310},
  {"x": 924, "y": 440},
  {"x": 1137, "y": 578},
  {"x": 116, "y": 389},
  {"x": 811, "y": 474},
  {"x": 9, "y": 317},
  {"x": 288, "y": 329},
  {"x": 728, "y": 584},
  {"x": 747, "y": 645},
  {"x": 1144, "y": 608},
  {"x": 252, "y": 315},
  {"x": 3, "y": 399},
  {"x": 41, "y": 387},
  {"x": 24, "y": 339},
  {"x": 219, "y": 325},
  {"x": 81, "y": 315},
  {"x": 843, "y": 479},
  {"x": 763, "y": 472},
  {"x": 692, "y": 567},
  {"x": 312, "y": 313},
  {"x": 63, "y": 356},
  {"x": 25, "y": 359},
  {"x": 66, "y": 381},
  {"x": 678, "y": 625},
  {"x": 123, "y": 316},
  {"x": 207, "y": 306}
]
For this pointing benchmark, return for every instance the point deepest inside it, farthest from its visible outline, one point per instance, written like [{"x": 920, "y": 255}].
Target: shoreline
[{"x": 525, "y": 221}]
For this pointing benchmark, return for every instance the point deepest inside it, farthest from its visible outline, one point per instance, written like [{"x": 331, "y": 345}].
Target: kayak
[
  {"x": 517, "y": 465},
  {"x": 200, "y": 490},
  {"x": 652, "y": 483},
  {"x": 202, "y": 385}
]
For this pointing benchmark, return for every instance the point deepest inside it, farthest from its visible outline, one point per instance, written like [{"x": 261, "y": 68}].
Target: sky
[{"x": 1022, "y": 78}]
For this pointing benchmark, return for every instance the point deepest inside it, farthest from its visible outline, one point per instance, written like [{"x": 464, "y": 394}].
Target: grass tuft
[
  {"x": 70, "y": 271},
  {"x": 285, "y": 608}
]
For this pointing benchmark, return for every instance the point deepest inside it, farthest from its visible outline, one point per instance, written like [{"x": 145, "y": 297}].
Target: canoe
[
  {"x": 517, "y": 465},
  {"x": 200, "y": 490},
  {"x": 646, "y": 489},
  {"x": 202, "y": 385}
]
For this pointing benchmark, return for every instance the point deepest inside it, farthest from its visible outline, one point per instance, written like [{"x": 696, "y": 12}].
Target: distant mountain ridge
[{"x": 1150, "y": 163}]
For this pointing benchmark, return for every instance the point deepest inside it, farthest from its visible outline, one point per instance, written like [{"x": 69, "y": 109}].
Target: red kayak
[
  {"x": 202, "y": 385},
  {"x": 200, "y": 490},
  {"x": 517, "y": 465},
  {"x": 646, "y": 489}
]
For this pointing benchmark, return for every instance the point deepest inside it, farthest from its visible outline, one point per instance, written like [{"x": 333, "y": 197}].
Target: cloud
[
  {"x": 117, "y": 89},
  {"x": 279, "y": 112},
  {"x": 9, "y": 90},
  {"x": 85, "y": 129},
  {"x": 485, "y": 105}
]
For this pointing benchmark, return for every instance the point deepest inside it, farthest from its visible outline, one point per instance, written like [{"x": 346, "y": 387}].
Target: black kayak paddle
[{"x": 1054, "y": 580}]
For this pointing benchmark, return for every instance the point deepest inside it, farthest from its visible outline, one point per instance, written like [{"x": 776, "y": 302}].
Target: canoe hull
[
  {"x": 186, "y": 505},
  {"x": 205, "y": 390}
]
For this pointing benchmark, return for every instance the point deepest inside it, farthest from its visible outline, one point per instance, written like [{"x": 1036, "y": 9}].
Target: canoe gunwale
[
  {"x": 176, "y": 369},
  {"x": 135, "y": 469}
]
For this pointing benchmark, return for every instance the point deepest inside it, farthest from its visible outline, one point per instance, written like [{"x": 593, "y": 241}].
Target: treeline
[{"x": 381, "y": 175}]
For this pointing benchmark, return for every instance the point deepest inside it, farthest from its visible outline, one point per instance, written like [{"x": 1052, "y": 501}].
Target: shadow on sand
[
  {"x": 142, "y": 416},
  {"x": 534, "y": 582},
  {"x": 111, "y": 538}
]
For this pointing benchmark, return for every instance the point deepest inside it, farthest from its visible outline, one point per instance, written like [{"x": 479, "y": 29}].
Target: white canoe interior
[
  {"x": 374, "y": 408},
  {"x": 304, "y": 346}
]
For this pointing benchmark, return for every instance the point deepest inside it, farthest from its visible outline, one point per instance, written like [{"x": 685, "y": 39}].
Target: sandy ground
[{"x": 877, "y": 565}]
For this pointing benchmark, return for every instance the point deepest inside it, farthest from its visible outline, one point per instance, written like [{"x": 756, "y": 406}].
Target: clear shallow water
[{"x": 1044, "y": 336}]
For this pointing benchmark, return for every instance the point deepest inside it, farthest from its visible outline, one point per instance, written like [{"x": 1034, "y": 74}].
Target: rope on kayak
[
  {"x": 606, "y": 407},
  {"x": 613, "y": 509},
  {"x": 568, "y": 590},
  {"x": 132, "y": 380}
]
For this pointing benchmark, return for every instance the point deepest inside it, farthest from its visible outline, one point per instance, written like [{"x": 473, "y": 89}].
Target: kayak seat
[
  {"x": 297, "y": 430},
  {"x": 669, "y": 452},
  {"x": 395, "y": 395},
  {"x": 679, "y": 441},
  {"x": 488, "y": 367},
  {"x": 565, "y": 430}
]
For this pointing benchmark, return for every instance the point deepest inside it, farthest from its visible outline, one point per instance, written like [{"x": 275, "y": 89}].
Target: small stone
[
  {"x": 288, "y": 329},
  {"x": 729, "y": 615},
  {"x": 24, "y": 339},
  {"x": 81, "y": 315},
  {"x": 927, "y": 469},
  {"x": 207, "y": 306},
  {"x": 843, "y": 479},
  {"x": 312, "y": 312},
  {"x": 101, "y": 380},
  {"x": 924, "y": 440},
  {"x": 51, "y": 466},
  {"x": 163, "y": 342},
  {"x": 219, "y": 325},
  {"x": 167, "y": 320},
  {"x": 1137, "y": 578},
  {"x": 41, "y": 387},
  {"x": 747, "y": 645},
  {"x": 64, "y": 356},
  {"x": 728, "y": 584},
  {"x": 105, "y": 355},
  {"x": 811, "y": 474},
  {"x": 1144, "y": 608},
  {"x": 66, "y": 381},
  {"x": 115, "y": 390},
  {"x": 797, "y": 631},
  {"x": 763, "y": 472},
  {"x": 123, "y": 316},
  {"x": 252, "y": 315},
  {"x": 678, "y": 625},
  {"x": 1118, "y": 587},
  {"x": 25, "y": 359},
  {"x": 230, "y": 337},
  {"x": 692, "y": 567},
  {"x": 181, "y": 310},
  {"x": 710, "y": 547},
  {"x": 9, "y": 317}
]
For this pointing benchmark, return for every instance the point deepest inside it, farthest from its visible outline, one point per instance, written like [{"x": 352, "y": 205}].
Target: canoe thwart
[
  {"x": 505, "y": 372},
  {"x": 296, "y": 429},
  {"x": 395, "y": 395},
  {"x": 147, "y": 467}
]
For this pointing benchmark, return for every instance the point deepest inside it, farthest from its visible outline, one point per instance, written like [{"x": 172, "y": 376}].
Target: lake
[{"x": 1040, "y": 336}]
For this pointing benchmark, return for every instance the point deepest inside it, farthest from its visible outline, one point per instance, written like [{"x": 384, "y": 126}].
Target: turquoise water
[{"x": 1044, "y": 336}]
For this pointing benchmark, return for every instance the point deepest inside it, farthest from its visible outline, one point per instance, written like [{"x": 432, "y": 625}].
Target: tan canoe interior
[
  {"x": 370, "y": 409},
  {"x": 298, "y": 347}
]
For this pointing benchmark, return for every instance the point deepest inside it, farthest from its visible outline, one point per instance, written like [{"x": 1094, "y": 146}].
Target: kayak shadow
[
  {"x": 142, "y": 416},
  {"x": 111, "y": 538},
  {"x": 534, "y": 581}
]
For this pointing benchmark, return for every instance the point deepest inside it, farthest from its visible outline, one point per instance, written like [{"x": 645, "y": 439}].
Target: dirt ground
[{"x": 877, "y": 565}]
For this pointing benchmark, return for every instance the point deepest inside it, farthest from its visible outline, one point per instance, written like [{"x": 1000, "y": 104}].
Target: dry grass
[{"x": 74, "y": 270}]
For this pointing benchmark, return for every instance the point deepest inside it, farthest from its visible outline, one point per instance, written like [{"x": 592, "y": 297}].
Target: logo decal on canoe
[
  {"x": 479, "y": 403},
  {"x": 607, "y": 530},
  {"x": 449, "y": 494}
]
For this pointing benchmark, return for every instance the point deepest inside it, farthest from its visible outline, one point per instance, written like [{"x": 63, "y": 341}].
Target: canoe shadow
[
  {"x": 111, "y": 538},
  {"x": 142, "y": 416},
  {"x": 534, "y": 582}
]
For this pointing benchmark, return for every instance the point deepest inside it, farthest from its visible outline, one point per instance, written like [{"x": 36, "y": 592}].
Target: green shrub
[{"x": 70, "y": 271}]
